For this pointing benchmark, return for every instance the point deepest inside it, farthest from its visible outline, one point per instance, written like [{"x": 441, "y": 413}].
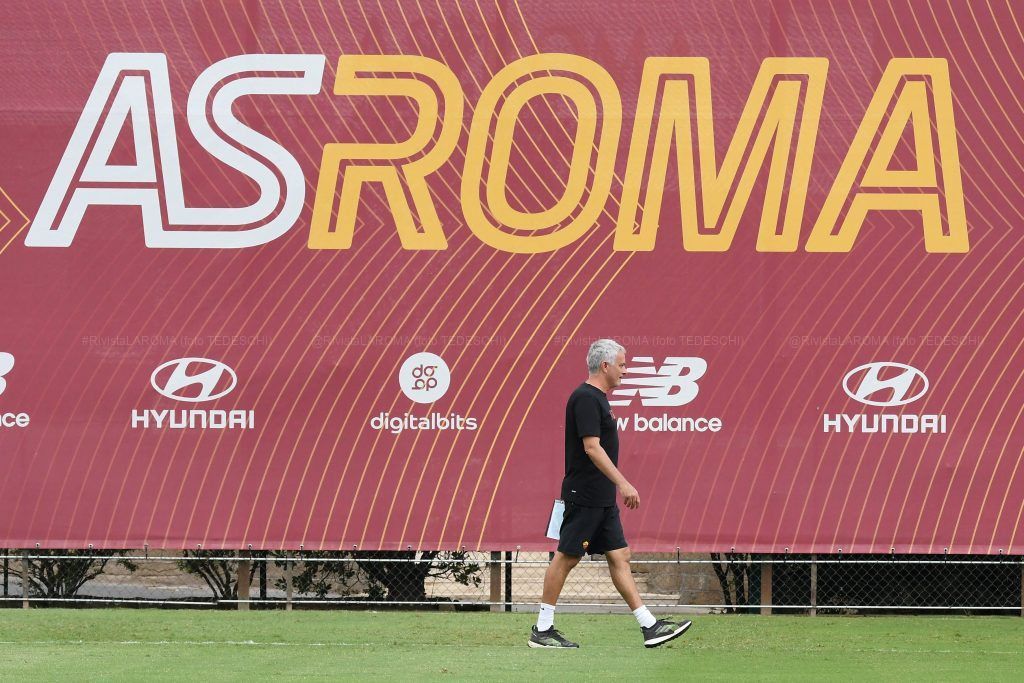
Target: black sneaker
[
  {"x": 663, "y": 631},
  {"x": 549, "y": 638}
]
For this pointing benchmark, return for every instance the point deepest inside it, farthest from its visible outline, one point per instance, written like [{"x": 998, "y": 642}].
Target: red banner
[{"x": 324, "y": 274}]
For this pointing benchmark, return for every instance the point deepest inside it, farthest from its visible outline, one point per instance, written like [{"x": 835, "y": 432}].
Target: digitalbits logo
[{"x": 424, "y": 377}]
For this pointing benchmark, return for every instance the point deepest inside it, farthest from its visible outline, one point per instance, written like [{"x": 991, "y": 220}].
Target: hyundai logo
[
  {"x": 194, "y": 379},
  {"x": 897, "y": 387}
]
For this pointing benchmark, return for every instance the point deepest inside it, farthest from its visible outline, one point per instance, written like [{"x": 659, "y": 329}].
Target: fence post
[
  {"x": 1022, "y": 589},
  {"x": 814, "y": 585},
  {"x": 495, "y": 581},
  {"x": 288, "y": 585},
  {"x": 265, "y": 556},
  {"x": 24, "y": 580},
  {"x": 766, "y": 587},
  {"x": 243, "y": 584},
  {"x": 508, "y": 580}
]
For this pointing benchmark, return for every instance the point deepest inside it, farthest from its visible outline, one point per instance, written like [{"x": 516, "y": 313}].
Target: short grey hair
[{"x": 603, "y": 350}]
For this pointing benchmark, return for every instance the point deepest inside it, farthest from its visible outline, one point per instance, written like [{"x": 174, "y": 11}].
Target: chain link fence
[{"x": 512, "y": 581}]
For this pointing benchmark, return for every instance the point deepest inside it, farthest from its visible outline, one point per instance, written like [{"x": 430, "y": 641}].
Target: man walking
[{"x": 591, "y": 521}]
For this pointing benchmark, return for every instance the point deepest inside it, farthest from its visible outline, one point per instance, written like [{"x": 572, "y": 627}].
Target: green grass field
[{"x": 126, "y": 644}]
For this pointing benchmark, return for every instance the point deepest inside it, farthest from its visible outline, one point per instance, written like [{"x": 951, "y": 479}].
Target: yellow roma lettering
[
  {"x": 915, "y": 93},
  {"x": 595, "y": 98},
  {"x": 401, "y": 168},
  {"x": 672, "y": 90}
]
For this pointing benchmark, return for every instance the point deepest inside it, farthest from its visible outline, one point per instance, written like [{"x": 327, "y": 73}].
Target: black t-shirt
[{"x": 588, "y": 414}]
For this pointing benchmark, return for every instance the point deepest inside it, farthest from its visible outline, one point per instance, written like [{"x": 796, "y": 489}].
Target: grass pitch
[{"x": 128, "y": 644}]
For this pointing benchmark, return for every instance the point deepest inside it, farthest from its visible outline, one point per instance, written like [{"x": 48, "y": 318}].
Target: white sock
[
  {"x": 546, "y": 618},
  {"x": 644, "y": 616}
]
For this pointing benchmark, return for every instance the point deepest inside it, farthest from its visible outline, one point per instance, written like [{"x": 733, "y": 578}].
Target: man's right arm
[{"x": 598, "y": 456}]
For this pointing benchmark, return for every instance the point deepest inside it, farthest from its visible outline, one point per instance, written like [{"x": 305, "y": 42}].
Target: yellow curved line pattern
[
  {"x": 270, "y": 262},
  {"x": 485, "y": 320},
  {"x": 1013, "y": 428},
  {"x": 453, "y": 398},
  {"x": 486, "y": 380},
  {"x": 837, "y": 379},
  {"x": 725, "y": 314},
  {"x": 470, "y": 286},
  {"x": 967, "y": 306},
  {"x": 267, "y": 317},
  {"x": 551, "y": 366},
  {"x": 368, "y": 510},
  {"x": 749, "y": 395},
  {"x": 355, "y": 400},
  {"x": 912, "y": 359},
  {"x": 1013, "y": 326},
  {"x": 914, "y": 355},
  {"x": 594, "y": 278},
  {"x": 297, "y": 278},
  {"x": 183, "y": 436},
  {"x": 320, "y": 393},
  {"x": 143, "y": 387},
  {"x": 802, "y": 517},
  {"x": 452, "y": 308},
  {"x": 80, "y": 397},
  {"x": 283, "y": 394},
  {"x": 61, "y": 334},
  {"x": 232, "y": 508},
  {"x": 893, "y": 298},
  {"x": 767, "y": 404},
  {"x": 411, "y": 285},
  {"x": 850, "y": 479},
  {"x": 858, "y": 466},
  {"x": 338, "y": 302},
  {"x": 805, "y": 408},
  {"x": 294, "y": 404},
  {"x": 410, "y": 508},
  {"x": 1010, "y": 329}
]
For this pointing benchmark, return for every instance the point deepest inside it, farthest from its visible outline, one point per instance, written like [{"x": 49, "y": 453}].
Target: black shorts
[{"x": 590, "y": 530}]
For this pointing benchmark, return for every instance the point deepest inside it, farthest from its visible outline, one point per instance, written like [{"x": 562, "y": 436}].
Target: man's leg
[
  {"x": 622, "y": 577},
  {"x": 544, "y": 633},
  {"x": 554, "y": 578},
  {"x": 655, "y": 631}
]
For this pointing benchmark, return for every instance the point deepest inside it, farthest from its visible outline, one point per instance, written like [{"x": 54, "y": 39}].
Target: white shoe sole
[
  {"x": 549, "y": 647},
  {"x": 655, "y": 642}
]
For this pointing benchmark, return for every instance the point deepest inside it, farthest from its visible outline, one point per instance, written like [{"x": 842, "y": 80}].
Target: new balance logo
[
  {"x": 674, "y": 383},
  {"x": 6, "y": 365},
  {"x": 9, "y": 419}
]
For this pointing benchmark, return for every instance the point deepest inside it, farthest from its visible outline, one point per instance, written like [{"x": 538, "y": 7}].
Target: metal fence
[{"x": 512, "y": 581}]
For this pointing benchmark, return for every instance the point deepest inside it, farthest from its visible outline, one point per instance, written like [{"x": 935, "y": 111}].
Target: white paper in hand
[{"x": 555, "y": 523}]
